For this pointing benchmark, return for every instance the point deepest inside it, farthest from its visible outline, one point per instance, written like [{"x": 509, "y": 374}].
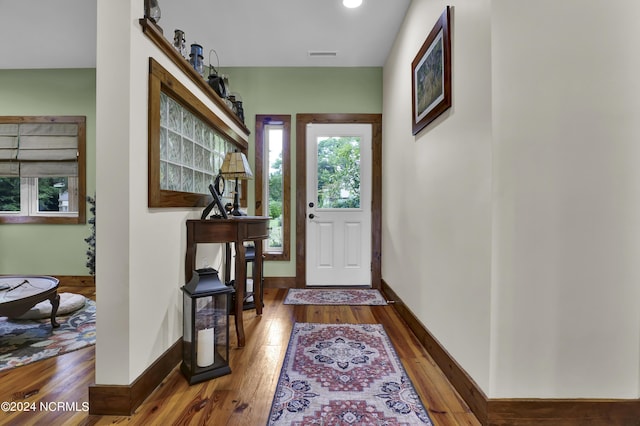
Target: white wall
[
  {"x": 566, "y": 102},
  {"x": 512, "y": 224},
  {"x": 140, "y": 265},
  {"x": 437, "y": 187}
]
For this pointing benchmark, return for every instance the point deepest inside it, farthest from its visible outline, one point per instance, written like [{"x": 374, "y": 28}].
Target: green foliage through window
[
  {"x": 339, "y": 173},
  {"x": 50, "y": 192},
  {"x": 275, "y": 188},
  {"x": 9, "y": 194},
  {"x": 273, "y": 182}
]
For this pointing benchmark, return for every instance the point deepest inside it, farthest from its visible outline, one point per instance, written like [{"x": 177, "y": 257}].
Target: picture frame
[{"x": 431, "y": 75}]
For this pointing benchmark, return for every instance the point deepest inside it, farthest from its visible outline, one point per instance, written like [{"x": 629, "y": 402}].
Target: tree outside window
[
  {"x": 273, "y": 181},
  {"x": 338, "y": 173}
]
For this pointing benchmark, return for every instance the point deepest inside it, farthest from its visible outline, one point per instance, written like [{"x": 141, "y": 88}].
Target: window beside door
[{"x": 273, "y": 181}]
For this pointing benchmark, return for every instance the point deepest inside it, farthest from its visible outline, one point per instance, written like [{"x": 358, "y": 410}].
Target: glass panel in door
[{"x": 338, "y": 172}]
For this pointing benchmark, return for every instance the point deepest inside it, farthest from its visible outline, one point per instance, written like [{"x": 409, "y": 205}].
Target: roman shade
[{"x": 38, "y": 149}]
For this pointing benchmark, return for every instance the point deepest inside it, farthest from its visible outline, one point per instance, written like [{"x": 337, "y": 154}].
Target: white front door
[{"x": 338, "y": 236}]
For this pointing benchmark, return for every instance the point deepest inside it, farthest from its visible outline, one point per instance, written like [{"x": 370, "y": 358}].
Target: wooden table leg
[
  {"x": 227, "y": 263},
  {"x": 257, "y": 277},
  {"x": 190, "y": 256},
  {"x": 55, "y": 303},
  {"x": 241, "y": 277}
]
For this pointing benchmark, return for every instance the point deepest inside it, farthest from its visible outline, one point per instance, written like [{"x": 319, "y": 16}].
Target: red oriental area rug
[
  {"x": 344, "y": 374},
  {"x": 312, "y": 296}
]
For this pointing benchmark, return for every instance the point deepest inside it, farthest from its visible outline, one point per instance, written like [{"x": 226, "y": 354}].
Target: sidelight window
[{"x": 273, "y": 181}]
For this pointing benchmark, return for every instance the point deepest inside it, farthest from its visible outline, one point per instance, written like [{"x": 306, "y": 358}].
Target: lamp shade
[{"x": 236, "y": 165}]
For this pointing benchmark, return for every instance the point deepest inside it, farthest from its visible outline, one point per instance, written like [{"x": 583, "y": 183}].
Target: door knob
[
  {"x": 311, "y": 216},
  {"x": 311, "y": 204}
]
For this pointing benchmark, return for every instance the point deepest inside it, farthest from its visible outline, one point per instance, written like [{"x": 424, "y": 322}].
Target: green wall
[
  {"x": 60, "y": 249},
  {"x": 302, "y": 90},
  {"x": 49, "y": 249}
]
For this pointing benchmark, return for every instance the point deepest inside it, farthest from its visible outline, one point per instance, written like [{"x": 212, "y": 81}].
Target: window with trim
[
  {"x": 273, "y": 181},
  {"x": 42, "y": 169},
  {"x": 187, "y": 144}
]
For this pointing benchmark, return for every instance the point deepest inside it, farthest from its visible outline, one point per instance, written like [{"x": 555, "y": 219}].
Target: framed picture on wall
[{"x": 431, "y": 75}]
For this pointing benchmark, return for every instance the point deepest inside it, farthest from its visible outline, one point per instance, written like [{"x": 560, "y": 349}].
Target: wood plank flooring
[{"x": 242, "y": 398}]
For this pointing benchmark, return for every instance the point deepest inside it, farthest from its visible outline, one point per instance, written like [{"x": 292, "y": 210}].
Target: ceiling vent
[{"x": 319, "y": 54}]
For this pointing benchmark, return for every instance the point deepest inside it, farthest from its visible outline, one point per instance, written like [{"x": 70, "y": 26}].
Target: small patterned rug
[
  {"x": 344, "y": 374},
  {"x": 25, "y": 341},
  {"x": 313, "y": 296}
]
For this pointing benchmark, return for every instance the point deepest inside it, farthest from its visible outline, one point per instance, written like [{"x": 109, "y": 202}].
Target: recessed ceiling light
[{"x": 351, "y": 3}]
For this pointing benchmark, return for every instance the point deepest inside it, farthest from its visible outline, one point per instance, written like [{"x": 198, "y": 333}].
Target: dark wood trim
[
  {"x": 466, "y": 387},
  {"x": 563, "y": 412},
  {"x": 261, "y": 208},
  {"x": 76, "y": 280},
  {"x": 279, "y": 282},
  {"x": 376, "y": 187},
  {"x": 122, "y": 400},
  {"x": 376, "y": 203},
  {"x": 520, "y": 411},
  {"x": 152, "y": 31},
  {"x": 301, "y": 200}
]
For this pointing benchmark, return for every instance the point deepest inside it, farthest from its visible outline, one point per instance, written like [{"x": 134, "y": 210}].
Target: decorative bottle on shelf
[
  {"x": 152, "y": 10},
  {"x": 196, "y": 59},
  {"x": 240, "y": 111},
  {"x": 236, "y": 105},
  {"x": 232, "y": 102},
  {"x": 179, "y": 43}
]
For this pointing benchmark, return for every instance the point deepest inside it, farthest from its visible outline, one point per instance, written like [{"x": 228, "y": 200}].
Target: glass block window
[
  {"x": 187, "y": 142},
  {"x": 191, "y": 152}
]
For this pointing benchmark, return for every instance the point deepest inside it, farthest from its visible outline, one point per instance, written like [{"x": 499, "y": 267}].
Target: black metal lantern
[{"x": 205, "y": 353}]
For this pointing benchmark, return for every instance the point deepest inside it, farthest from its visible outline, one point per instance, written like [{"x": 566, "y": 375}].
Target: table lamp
[{"x": 236, "y": 165}]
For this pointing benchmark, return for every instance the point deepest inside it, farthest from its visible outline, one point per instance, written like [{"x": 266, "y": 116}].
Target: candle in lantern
[{"x": 205, "y": 350}]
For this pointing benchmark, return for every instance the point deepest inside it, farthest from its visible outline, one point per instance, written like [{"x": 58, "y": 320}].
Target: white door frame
[{"x": 301, "y": 191}]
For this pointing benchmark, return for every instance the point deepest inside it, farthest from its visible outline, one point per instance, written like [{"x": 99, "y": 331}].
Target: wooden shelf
[{"x": 151, "y": 30}]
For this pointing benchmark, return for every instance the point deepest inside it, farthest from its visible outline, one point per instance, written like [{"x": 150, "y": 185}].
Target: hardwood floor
[{"x": 241, "y": 398}]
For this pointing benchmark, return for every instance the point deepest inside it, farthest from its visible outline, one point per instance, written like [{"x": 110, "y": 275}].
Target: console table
[{"x": 237, "y": 230}]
